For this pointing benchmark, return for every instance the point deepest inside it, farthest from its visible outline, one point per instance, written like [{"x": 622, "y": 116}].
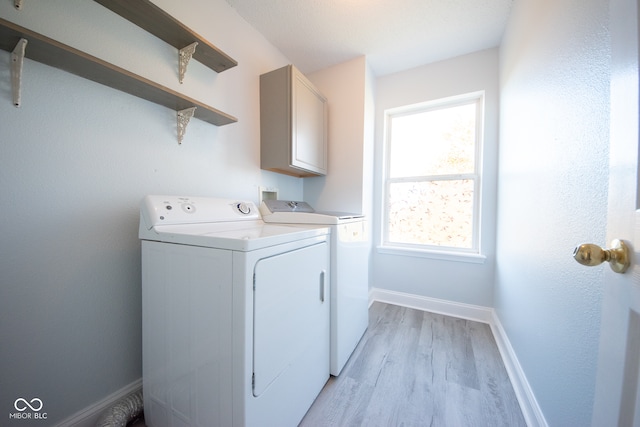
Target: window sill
[{"x": 432, "y": 254}]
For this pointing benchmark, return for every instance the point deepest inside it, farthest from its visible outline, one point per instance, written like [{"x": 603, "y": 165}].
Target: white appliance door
[{"x": 291, "y": 328}]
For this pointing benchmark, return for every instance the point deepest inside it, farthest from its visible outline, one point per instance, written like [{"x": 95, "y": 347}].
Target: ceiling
[{"x": 395, "y": 35}]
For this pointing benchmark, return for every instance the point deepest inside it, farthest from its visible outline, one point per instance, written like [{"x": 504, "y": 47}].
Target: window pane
[
  {"x": 436, "y": 142},
  {"x": 438, "y": 213}
]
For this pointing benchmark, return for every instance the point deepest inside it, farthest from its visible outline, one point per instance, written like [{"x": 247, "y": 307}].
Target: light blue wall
[
  {"x": 462, "y": 282},
  {"x": 76, "y": 159},
  {"x": 347, "y": 183},
  {"x": 554, "y": 81}
]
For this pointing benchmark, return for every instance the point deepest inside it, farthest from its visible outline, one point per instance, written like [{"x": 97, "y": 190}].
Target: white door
[{"x": 616, "y": 397}]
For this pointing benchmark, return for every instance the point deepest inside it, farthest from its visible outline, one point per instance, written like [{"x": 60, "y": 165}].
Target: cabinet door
[
  {"x": 309, "y": 134},
  {"x": 293, "y": 124}
]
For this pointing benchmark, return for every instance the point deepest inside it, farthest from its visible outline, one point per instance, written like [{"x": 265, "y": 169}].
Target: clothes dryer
[
  {"x": 235, "y": 314},
  {"x": 349, "y": 270}
]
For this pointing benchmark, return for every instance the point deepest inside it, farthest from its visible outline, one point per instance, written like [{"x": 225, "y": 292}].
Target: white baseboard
[
  {"x": 88, "y": 416},
  {"x": 528, "y": 404},
  {"x": 433, "y": 305}
]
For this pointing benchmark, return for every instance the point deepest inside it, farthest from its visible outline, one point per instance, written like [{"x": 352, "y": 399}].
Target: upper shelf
[
  {"x": 50, "y": 52},
  {"x": 151, "y": 18}
]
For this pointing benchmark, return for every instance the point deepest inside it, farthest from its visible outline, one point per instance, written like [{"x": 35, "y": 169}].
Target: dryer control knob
[{"x": 244, "y": 208}]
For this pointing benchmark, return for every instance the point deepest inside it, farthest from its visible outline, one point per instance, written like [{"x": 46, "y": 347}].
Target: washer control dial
[
  {"x": 244, "y": 208},
  {"x": 188, "y": 208}
]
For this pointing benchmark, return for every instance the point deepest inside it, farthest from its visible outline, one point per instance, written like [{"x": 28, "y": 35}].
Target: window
[{"x": 432, "y": 176}]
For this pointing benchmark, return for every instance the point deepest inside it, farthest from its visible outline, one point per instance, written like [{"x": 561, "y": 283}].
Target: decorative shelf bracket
[
  {"x": 183, "y": 120},
  {"x": 17, "y": 59},
  {"x": 53, "y": 53},
  {"x": 18, "y": 4},
  {"x": 146, "y": 15},
  {"x": 184, "y": 56}
]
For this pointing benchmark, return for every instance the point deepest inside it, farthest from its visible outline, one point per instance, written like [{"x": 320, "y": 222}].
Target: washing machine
[
  {"x": 349, "y": 270},
  {"x": 235, "y": 314}
]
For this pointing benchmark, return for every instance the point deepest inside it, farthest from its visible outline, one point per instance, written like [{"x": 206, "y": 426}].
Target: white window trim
[
  {"x": 443, "y": 255},
  {"x": 471, "y": 255}
]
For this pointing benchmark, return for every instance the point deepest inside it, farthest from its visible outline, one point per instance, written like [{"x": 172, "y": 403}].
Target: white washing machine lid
[
  {"x": 291, "y": 212},
  {"x": 215, "y": 223}
]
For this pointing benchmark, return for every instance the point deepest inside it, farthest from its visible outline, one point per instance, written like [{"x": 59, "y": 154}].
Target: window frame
[{"x": 472, "y": 254}]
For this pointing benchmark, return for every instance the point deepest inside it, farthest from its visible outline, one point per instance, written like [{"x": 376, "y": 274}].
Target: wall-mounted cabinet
[{"x": 293, "y": 124}]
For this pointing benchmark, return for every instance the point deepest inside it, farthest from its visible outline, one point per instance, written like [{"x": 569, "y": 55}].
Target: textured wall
[
  {"x": 554, "y": 78},
  {"x": 76, "y": 159}
]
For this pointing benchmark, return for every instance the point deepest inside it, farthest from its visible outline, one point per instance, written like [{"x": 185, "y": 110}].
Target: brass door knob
[{"x": 617, "y": 256}]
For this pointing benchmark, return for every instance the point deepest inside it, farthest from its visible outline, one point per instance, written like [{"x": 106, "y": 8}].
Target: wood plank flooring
[{"x": 415, "y": 368}]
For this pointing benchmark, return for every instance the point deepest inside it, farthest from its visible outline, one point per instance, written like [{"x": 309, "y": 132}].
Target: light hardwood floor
[{"x": 415, "y": 368}]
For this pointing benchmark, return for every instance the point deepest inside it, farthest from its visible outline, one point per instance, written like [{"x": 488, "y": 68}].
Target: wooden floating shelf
[
  {"x": 50, "y": 52},
  {"x": 156, "y": 21}
]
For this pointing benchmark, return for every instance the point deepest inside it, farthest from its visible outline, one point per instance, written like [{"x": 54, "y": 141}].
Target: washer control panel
[{"x": 171, "y": 210}]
